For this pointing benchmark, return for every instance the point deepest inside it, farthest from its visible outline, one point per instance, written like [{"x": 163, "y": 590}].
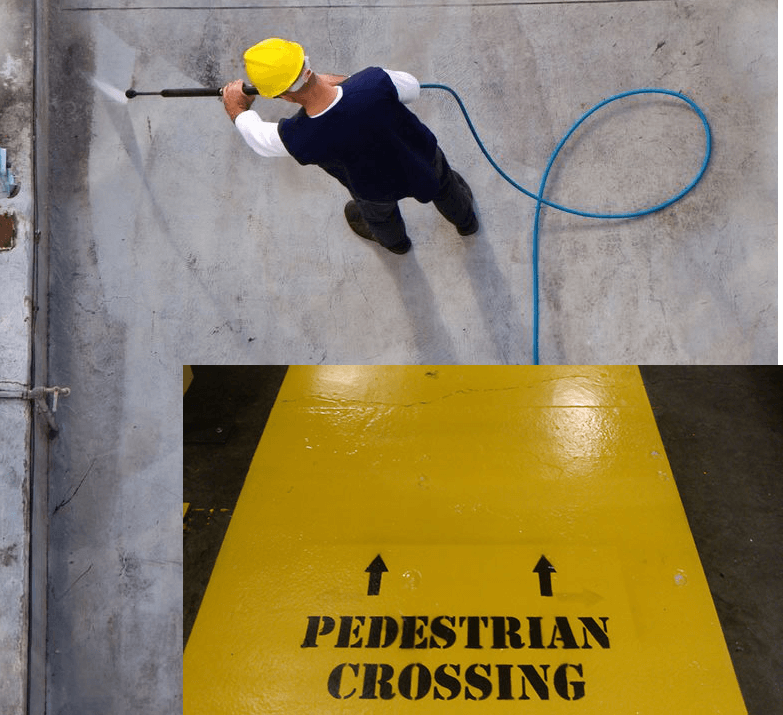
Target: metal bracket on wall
[{"x": 38, "y": 395}]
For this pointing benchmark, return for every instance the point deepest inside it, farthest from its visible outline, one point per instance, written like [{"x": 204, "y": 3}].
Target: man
[{"x": 359, "y": 130}]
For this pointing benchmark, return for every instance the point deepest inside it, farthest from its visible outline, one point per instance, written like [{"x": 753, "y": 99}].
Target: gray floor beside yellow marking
[
  {"x": 721, "y": 429},
  {"x": 723, "y": 432},
  {"x": 215, "y": 471}
]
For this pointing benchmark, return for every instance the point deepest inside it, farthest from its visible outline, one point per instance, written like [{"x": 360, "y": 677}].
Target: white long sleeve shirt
[{"x": 263, "y": 138}]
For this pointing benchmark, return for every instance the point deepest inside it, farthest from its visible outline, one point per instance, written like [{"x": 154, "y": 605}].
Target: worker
[{"x": 357, "y": 129}]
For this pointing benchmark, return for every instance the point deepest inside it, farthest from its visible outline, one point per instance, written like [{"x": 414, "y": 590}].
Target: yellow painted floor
[{"x": 532, "y": 546}]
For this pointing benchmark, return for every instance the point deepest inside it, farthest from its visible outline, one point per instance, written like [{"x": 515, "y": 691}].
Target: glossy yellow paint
[{"x": 460, "y": 479}]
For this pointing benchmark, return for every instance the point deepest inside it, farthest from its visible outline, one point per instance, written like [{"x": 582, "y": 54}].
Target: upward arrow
[
  {"x": 375, "y": 569},
  {"x": 544, "y": 570}
]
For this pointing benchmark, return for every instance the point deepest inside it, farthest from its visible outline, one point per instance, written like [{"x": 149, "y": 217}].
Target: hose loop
[{"x": 541, "y": 201}]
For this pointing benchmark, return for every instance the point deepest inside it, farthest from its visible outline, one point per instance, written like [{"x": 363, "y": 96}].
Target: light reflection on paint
[
  {"x": 584, "y": 429},
  {"x": 339, "y": 406},
  {"x": 336, "y": 378},
  {"x": 571, "y": 392}
]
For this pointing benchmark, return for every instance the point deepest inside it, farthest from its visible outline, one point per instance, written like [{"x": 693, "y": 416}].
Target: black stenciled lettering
[
  {"x": 443, "y": 632},
  {"x": 447, "y": 681},
  {"x": 534, "y": 630},
  {"x": 372, "y": 678},
  {"x": 335, "y": 679},
  {"x": 415, "y": 681},
  {"x": 312, "y": 629},
  {"x": 500, "y": 631},
  {"x": 423, "y": 682},
  {"x": 601, "y": 635},
  {"x": 476, "y": 680},
  {"x": 504, "y": 681},
  {"x": 530, "y": 675},
  {"x": 377, "y": 624},
  {"x": 563, "y": 627},
  {"x": 410, "y": 632},
  {"x": 474, "y": 629},
  {"x": 344, "y": 636},
  {"x": 561, "y": 682}
]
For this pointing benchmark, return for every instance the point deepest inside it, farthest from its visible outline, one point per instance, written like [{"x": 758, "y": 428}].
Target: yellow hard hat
[{"x": 273, "y": 65}]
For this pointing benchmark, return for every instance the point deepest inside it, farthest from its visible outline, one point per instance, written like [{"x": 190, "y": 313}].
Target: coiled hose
[{"x": 539, "y": 198}]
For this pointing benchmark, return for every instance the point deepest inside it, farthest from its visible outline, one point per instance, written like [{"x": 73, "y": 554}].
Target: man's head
[{"x": 279, "y": 68}]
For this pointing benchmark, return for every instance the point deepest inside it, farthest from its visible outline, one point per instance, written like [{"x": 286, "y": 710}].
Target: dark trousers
[{"x": 453, "y": 200}]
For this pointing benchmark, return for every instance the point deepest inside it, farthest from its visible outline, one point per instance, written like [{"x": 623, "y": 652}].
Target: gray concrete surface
[
  {"x": 205, "y": 250},
  {"x": 16, "y": 312},
  {"x": 722, "y": 428}
]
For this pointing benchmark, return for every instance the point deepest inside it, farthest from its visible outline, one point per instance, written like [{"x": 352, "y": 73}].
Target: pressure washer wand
[{"x": 192, "y": 92}]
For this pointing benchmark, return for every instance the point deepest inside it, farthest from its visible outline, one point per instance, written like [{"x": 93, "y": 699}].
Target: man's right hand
[{"x": 235, "y": 100}]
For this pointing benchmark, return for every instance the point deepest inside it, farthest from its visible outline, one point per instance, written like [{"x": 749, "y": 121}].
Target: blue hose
[{"x": 539, "y": 198}]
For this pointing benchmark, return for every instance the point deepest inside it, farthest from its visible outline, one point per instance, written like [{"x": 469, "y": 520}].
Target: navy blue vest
[{"x": 369, "y": 141}]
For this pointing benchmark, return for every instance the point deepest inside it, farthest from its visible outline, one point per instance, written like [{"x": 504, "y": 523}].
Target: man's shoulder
[{"x": 367, "y": 77}]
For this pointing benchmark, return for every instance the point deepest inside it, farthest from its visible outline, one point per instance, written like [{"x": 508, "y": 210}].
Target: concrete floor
[
  {"x": 721, "y": 427},
  {"x": 190, "y": 245}
]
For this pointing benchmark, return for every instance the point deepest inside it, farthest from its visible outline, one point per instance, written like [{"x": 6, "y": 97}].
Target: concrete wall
[{"x": 16, "y": 262}]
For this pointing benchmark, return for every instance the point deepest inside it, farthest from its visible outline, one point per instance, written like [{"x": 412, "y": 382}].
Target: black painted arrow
[
  {"x": 375, "y": 569},
  {"x": 544, "y": 570}
]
